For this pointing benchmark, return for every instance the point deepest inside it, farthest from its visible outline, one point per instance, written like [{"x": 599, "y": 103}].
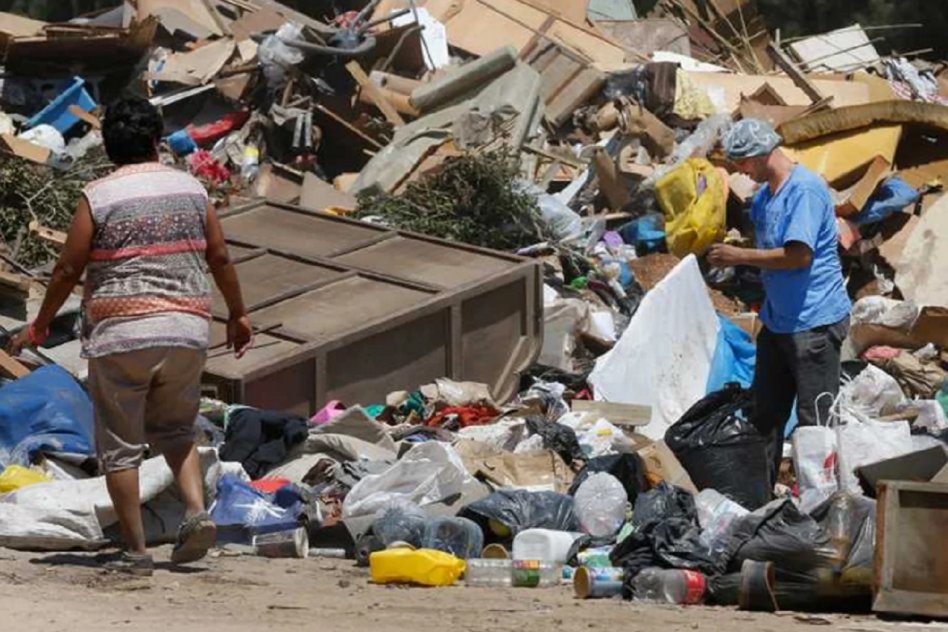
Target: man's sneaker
[
  {"x": 137, "y": 564},
  {"x": 195, "y": 536}
]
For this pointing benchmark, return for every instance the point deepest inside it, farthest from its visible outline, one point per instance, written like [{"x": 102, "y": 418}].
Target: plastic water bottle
[
  {"x": 535, "y": 574},
  {"x": 250, "y": 165},
  {"x": 659, "y": 585},
  {"x": 717, "y": 515},
  {"x": 488, "y": 573}
]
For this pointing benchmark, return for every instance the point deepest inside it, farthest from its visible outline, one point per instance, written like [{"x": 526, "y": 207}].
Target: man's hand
[
  {"x": 18, "y": 342},
  {"x": 239, "y": 335},
  {"x": 724, "y": 256}
]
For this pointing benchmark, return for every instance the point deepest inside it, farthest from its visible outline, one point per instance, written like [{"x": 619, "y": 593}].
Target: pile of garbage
[{"x": 625, "y": 464}]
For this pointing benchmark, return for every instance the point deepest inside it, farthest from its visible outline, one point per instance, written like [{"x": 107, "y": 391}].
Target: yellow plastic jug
[
  {"x": 427, "y": 567},
  {"x": 16, "y": 476}
]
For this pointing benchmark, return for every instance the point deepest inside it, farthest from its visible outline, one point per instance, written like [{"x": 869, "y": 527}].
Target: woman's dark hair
[{"x": 131, "y": 128}]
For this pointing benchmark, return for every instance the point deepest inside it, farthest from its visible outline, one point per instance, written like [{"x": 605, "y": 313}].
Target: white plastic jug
[{"x": 545, "y": 545}]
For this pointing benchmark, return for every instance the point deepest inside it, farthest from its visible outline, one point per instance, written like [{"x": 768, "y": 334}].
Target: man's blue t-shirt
[{"x": 801, "y": 299}]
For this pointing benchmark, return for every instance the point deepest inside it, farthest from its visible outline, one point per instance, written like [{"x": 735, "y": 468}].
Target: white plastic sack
[
  {"x": 879, "y": 310},
  {"x": 46, "y": 136},
  {"x": 66, "y": 514},
  {"x": 663, "y": 358},
  {"x": 871, "y": 392},
  {"x": 426, "y": 474},
  {"x": 814, "y": 452},
  {"x": 866, "y": 443}
]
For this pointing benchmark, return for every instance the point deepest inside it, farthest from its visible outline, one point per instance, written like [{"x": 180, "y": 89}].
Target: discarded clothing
[
  {"x": 261, "y": 439},
  {"x": 456, "y": 417},
  {"x": 892, "y": 196}
]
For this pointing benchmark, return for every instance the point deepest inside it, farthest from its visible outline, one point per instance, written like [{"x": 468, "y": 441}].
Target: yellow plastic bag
[
  {"x": 427, "y": 567},
  {"x": 16, "y": 476},
  {"x": 692, "y": 197}
]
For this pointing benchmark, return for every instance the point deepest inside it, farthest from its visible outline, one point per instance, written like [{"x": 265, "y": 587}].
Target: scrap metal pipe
[{"x": 464, "y": 80}]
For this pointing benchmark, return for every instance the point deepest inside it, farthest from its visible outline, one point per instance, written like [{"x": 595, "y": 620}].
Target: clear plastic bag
[
  {"x": 276, "y": 57},
  {"x": 601, "y": 504}
]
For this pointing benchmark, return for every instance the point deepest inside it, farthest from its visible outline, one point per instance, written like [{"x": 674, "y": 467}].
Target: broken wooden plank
[
  {"x": 55, "y": 237},
  {"x": 617, "y": 414},
  {"x": 352, "y": 128},
  {"x": 911, "y": 565},
  {"x": 391, "y": 114},
  {"x": 11, "y": 367},
  {"x": 86, "y": 117},
  {"x": 803, "y": 82}
]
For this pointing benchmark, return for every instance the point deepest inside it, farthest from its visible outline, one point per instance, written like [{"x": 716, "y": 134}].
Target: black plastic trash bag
[
  {"x": 557, "y": 437},
  {"x": 627, "y": 468},
  {"x": 721, "y": 449},
  {"x": 666, "y": 535},
  {"x": 822, "y": 561},
  {"x": 507, "y": 512}
]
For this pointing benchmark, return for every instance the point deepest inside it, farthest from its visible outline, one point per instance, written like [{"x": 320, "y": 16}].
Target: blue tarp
[
  {"x": 240, "y": 511},
  {"x": 892, "y": 196},
  {"x": 45, "y": 412},
  {"x": 734, "y": 357}
]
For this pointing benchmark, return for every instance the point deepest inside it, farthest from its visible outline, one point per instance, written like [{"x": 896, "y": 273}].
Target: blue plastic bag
[
  {"x": 44, "y": 412},
  {"x": 734, "y": 357},
  {"x": 240, "y": 511},
  {"x": 892, "y": 196},
  {"x": 646, "y": 232}
]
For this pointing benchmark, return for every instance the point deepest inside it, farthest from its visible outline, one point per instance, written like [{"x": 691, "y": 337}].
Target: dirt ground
[{"x": 69, "y": 592}]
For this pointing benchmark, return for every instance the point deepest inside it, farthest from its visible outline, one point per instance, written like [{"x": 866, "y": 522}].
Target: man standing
[{"x": 805, "y": 314}]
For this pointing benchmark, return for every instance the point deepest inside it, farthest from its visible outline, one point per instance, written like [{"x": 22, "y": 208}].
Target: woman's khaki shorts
[{"x": 149, "y": 396}]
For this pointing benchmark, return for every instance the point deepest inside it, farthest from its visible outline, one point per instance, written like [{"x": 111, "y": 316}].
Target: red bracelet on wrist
[{"x": 36, "y": 339}]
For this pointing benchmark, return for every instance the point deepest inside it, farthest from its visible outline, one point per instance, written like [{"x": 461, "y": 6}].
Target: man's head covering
[{"x": 750, "y": 137}]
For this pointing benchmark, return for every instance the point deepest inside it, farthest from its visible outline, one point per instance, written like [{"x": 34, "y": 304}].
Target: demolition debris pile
[{"x": 578, "y": 395}]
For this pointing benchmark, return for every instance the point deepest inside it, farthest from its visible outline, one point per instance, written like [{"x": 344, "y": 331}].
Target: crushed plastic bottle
[
  {"x": 659, "y": 585},
  {"x": 426, "y": 567}
]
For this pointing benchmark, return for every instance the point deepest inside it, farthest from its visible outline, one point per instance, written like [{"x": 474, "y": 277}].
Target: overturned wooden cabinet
[
  {"x": 352, "y": 311},
  {"x": 911, "y": 560}
]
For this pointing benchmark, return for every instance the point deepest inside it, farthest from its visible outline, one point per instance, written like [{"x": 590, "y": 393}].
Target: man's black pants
[{"x": 802, "y": 365}]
